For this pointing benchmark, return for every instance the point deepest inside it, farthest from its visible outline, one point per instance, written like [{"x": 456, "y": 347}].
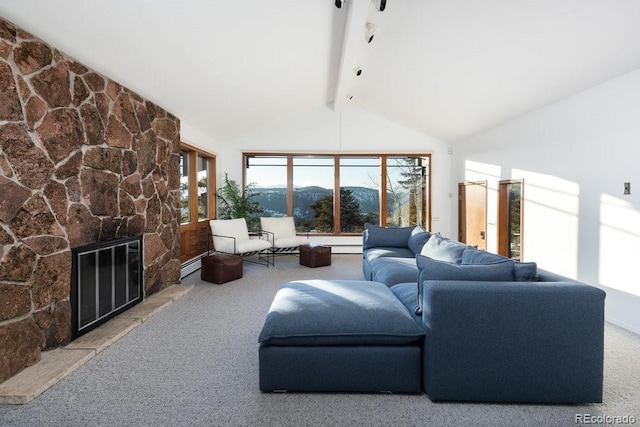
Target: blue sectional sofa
[
  {"x": 437, "y": 316},
  {"x": 495, "y": 330}
]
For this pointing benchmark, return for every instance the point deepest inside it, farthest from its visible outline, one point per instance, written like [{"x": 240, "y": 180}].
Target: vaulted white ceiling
[{"x": 446, "y": 68}]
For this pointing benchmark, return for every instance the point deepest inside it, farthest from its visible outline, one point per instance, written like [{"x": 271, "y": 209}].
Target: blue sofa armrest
[{"x": 513, "y": 341}]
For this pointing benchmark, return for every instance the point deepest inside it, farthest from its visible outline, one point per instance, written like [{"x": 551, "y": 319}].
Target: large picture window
[
  {"x": 406, "y": 189},
  {"x": 360, "y": 179},
  {"x": 313, "y": 181},
  {"x": 389, "y": 190}
]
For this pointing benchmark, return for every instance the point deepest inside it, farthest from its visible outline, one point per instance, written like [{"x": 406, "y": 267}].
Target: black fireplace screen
[{"x": 106, "y": 280}]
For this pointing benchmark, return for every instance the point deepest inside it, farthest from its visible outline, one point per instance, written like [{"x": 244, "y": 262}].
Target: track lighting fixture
[
  {"x": 382, "y": 4},
  {"x": 370, "y": 30},
  {"x": 358, "y": 71}
]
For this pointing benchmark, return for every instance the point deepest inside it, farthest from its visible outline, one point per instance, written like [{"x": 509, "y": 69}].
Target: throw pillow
[
  {"x": 522, "y": 271},
  {"x": 477, "y": 256},
  {"x": 418, "y": 239},
  {"x": 525, "y": 271},
  {"x": 441, "y": 249}
]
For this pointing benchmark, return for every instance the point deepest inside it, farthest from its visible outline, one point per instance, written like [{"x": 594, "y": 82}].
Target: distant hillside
[{"x": 274, "y": 199}]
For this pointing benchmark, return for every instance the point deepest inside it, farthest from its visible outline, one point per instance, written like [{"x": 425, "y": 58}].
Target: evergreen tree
[
  {"x": 323, "y": 212},
  {"x": 351, "y": 218},
  {"x": 350, "y": 215}
]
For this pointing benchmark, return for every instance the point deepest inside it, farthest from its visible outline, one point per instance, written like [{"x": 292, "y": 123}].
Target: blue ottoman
[{"x": 339, "y": 335}]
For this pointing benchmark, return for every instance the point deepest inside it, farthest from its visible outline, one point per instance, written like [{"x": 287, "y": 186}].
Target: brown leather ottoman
[
  {"x": 221, "y": 268},
  {"x": 315, "y": 255}
]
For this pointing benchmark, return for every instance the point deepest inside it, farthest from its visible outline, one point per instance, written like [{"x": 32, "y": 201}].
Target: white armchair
[
  {"x": 233, "y": 237},
  {"x": 281, "y": 232}
]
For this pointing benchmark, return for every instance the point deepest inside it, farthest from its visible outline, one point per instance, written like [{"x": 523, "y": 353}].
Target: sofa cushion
[
  {"x": 419, "y": 237},
  {"x": 407, "y": 294},
  {"x": 391, "y": 271},
  {"x": 522, "y": 271},
  {"x": 391, "y": 237},
  {"x": 441, "y": 249},
  {"x": 384, "y": 252},
  {"x": 431, "y": 269},
  {"x": 477, "y": 256},
  {"x": 338, "y": 312}
]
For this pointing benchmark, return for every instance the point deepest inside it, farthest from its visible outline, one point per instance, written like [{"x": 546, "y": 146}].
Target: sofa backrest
[
  {"x": 390, "y": 237},
  {"x": 413, "y": 238}
]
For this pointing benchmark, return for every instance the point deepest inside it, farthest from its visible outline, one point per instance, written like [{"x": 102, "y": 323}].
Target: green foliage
[
  {"x": 404, "y": 208},
  {"x": 323, "y": 212},
  {"x": 235, "y": 202},
  {"x": 351, "y": 218},
  {"x": 514, "y": 207},
  {"x": 184, "y": 202}
]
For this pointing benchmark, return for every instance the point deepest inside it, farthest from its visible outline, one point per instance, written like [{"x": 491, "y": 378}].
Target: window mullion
[
  {"x": 193, "y": 187},
  {"x": 290, "y": 185},
  {"x": 336, "y": 195},
  {"x": 383, "y": 191},
  {"x": 211, "y": 188}
]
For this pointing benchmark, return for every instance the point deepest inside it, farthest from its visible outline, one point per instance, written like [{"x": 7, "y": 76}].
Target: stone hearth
[{"x": 82, "y": 160}]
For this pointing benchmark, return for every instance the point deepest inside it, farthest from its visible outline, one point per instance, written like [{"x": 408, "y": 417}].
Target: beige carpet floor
[{"x": 195, "y": 363}]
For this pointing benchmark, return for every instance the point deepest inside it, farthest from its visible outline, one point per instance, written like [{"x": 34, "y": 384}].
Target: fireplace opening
[{"x": 106, "y": 280}]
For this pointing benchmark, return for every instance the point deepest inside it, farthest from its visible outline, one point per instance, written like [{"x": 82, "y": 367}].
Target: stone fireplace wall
[{"x": 82, "y": 160}]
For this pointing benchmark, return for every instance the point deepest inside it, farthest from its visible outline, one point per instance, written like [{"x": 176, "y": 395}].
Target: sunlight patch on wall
[
  {"x": 477, "y": 171},
  {"x": 619, "y": 244},
  {"x": 551, "y": 219}
]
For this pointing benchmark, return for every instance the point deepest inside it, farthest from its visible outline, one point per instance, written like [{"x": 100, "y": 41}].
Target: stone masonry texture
[{"x": 82, "y": 160}]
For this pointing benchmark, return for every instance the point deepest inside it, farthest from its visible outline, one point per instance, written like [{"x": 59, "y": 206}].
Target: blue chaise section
[{"x": 340, "y": 335}]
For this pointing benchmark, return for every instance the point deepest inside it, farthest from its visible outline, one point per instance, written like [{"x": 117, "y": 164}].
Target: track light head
[
  {"x": 339, "y": 3},
  {"x": 370, "y": 30}
]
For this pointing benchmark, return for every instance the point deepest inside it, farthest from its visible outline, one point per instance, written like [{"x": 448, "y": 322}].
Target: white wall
[
  {"x": 196, "y": 138},
  {"x": 350, "y": 131},
  {"x": 574, "y": 157}
]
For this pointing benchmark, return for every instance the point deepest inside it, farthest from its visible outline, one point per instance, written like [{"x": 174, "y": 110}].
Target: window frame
[
  {"x": 193, "y": 234},
  {"x": 426, "y": 210},
  {"x": 504, "y": 231}
]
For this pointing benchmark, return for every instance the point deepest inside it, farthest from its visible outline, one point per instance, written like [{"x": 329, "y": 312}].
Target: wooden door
[{"x": 472, "y": 213}]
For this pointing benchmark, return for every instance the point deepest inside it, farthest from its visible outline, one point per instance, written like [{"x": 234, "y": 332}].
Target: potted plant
[{"x": 236, "y": 202}]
